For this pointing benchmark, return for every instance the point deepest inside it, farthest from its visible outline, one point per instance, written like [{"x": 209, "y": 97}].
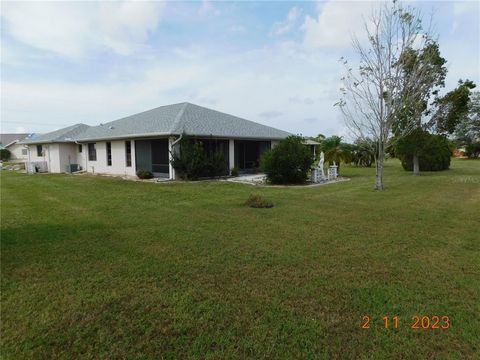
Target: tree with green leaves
[
  {"x": 376, "y": 92},
  {"x": 363, "y": 153},
  {"x": 409, "y": 118},
  {"x": 433, "y": 150},
  {"x": 467, "y": 131},
  {"x": 5, "y": 154},
  {"x": 453, "y": 108},
  {"x": 336, "y": 151}
]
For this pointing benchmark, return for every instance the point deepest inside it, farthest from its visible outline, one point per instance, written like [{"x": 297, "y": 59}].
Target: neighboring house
[
  {"x": 11, "y": 143},
  {"x": 147, "y": 140}
]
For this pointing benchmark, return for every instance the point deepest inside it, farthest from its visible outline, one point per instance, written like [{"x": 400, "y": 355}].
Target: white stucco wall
[
  {"x": 16, "y": 151},
  {"x": 32, "y": 154},
  {"x": 119, "y": 160},
  {"x": 57, "y": 156}
]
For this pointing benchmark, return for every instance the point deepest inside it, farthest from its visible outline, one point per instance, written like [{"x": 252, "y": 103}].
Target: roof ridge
[{"x": 178, "y": 118}]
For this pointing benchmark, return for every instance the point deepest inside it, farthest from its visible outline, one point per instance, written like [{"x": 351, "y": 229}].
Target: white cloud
[
  {"x": 465, "y": 7},
  {"x": 72, "y": 29},
  {"x": 286, "y": 26},
  {"x": 250, "y": 84},
  {"x": 207, "y": 8},
  {"x": 335, "y": 24}
]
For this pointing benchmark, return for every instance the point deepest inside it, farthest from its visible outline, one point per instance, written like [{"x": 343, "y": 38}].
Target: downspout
[
  {"x": 29, "y": 159},
  {"x": 170, "y": 157},
  {"x": 176, "y": 141},
  {"x": 49, "y": 161}
]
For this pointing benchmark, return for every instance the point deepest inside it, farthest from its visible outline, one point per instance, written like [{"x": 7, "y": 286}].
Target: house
[
  {"x": 11, "y": 142},
  {"x": 146, "y": 141}
]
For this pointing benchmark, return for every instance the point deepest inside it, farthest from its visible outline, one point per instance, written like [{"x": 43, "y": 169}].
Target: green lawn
[{"x": 95, "y": 267}]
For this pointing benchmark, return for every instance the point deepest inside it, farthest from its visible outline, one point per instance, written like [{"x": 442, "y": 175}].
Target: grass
[{"x": 96, "y": 267}]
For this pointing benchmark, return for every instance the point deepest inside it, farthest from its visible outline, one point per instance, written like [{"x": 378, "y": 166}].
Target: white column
[
  {"x": 133, "y": 169},
  {"x": 231, "y": 153},
  {"x": 171, "y": 170}
]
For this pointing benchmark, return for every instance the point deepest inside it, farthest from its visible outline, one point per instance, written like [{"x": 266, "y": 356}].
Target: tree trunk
[
  {"x": 379, "y": 169},
  {"x": 416, "y": 165}
]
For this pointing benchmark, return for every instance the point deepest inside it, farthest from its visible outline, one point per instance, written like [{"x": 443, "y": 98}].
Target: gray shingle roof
[
  {"x": 8, "y": 139},
  {"x": 181, "y": 118},
  {"x": 165, "y": 120},
  {"x": 66, "y": 134}
]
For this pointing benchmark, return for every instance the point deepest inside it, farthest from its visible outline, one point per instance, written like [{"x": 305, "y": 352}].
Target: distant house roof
[
  {"x": 9, "y": 139},
  {"x": 67, "y": 134},
  {"x": 181, "y": 118},
  {"x": 310, "y": 142}
]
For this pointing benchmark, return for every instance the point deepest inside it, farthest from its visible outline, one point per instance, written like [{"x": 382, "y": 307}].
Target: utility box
[{"x": 72, "y": 168}]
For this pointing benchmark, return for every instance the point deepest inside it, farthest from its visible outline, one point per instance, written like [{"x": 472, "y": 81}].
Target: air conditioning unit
[{"x": 73, "y": 168}]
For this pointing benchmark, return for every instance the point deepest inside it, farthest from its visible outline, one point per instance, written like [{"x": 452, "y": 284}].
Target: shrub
[
  {"x": 144, "y": 174},
  {"x": 258, "y": 201},
  {"x": 215, "y": 164},
  {"x": 5, "y": 154},
  {"x": 287, "y": 163},
  {"x": 191, "y": 161},
  {"x": 434, "y": 151},
  {"x": 234, "y": 171}
]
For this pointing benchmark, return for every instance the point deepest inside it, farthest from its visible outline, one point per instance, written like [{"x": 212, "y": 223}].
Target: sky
[{"x": 276, "y": 63}]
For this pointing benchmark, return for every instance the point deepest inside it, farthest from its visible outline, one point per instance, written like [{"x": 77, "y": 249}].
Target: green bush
[
  {"x": 5, "y": 154},
  {"x": 191, "y": 162},
  {"x": 215, "y": 164},
  {"x": 434, "y": 151},
  {"x": 472, "y": 149},
  {"x": 144, "y": 174},
  {"x": 258, "y": 201},
  {"x": 234, "y": 171},
  {"x": 287, "y": 163}
]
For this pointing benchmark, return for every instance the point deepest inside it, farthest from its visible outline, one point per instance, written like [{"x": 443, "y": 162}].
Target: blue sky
[{"x": 271, "y": 62}]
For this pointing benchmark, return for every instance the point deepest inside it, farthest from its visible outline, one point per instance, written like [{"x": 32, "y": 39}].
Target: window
[
  {"x": 79, "y": 148},
  {"x": 128, "y": 152},
  {"x": 92, "y": 152},
  {"x": 24, "y": 152},
  {"x": 109, "y": 154},
  {"x": 39, "y": 150}
]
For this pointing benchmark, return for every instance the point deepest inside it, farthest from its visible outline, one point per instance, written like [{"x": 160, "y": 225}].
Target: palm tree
[
  {"x": 364, "y": 152},
  {"x": 336, "y": 151}
]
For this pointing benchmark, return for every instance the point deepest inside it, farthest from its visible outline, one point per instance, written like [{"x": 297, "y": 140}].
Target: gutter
[{"x": 151, "y": 135}]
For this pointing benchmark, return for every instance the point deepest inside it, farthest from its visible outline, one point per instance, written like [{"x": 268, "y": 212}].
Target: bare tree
[{"x": 377, "y": 90}]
